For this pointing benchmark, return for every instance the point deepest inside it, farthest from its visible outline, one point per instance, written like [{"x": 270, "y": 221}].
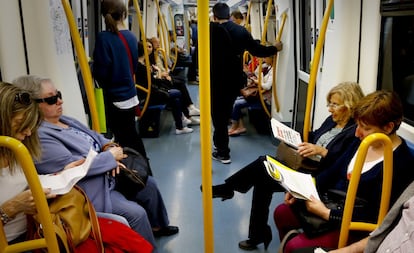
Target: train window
[
  {"x": 305, "y": 35},
  {"x": 396, "y": 66}
]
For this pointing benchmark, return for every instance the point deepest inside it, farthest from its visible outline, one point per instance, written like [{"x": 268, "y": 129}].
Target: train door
[{"x": 309, "y": 16}]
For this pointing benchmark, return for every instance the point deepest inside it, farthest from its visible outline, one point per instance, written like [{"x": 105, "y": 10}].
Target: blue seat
[{"x": 149, "y": 123}]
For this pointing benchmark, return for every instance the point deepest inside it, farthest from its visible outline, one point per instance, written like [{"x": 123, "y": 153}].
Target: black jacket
[{"x": 228, "y": 41}]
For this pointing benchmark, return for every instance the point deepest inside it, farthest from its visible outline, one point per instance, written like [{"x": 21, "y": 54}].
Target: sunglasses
[
  {"x": 23, "y": 98},
  {"x": 50, "y": 100}
]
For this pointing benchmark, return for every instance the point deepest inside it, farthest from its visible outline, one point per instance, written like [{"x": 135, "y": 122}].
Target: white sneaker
[
  {"x": 193, "y": 111},
  {"x": 194, "y": 121},
  {"x": 185, "y": 130},
  {"x": 186, "y": 121}
]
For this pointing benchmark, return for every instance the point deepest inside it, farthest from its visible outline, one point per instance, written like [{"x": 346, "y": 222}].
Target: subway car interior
[{"x": 325, "y": 43}]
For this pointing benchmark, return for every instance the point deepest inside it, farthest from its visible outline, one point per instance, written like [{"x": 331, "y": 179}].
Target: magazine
[
  {"x": 300, "y": 185},
  {"x": 63, "y": 181},
  {"x": 285, "y": 133}
]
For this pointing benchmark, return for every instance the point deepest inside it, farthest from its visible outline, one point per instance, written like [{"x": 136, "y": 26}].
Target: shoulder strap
[
  {"x": 131, "y": 66},
  {"x": 96, "y": 232}
]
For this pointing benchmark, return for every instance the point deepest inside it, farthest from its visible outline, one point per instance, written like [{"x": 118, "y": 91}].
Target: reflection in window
[
  {"x": 396, "y": 70},
  {"x": 305, "y": 35}
]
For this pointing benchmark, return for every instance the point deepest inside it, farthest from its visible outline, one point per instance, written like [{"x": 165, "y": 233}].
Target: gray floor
[{"x": 175, "y": 161}]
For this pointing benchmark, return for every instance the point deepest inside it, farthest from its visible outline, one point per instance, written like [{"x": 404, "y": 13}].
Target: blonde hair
[
  {"x": 349, "y": 92},
  {"x": 10, "y": 107}
]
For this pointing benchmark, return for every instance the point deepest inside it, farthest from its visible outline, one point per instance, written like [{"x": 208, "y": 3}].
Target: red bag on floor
[{"x": 116, "y": 238}]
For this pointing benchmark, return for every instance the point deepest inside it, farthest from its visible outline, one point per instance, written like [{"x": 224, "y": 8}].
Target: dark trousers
[
  {"x": 122, "y": 124},
  {"x": 255, "y": 175},
  {"x": 179, "y": 84},
  {"x": 175, "y": 102},
  {"x": 221, "y": 108},
  {"x": 192, "y": 70}
]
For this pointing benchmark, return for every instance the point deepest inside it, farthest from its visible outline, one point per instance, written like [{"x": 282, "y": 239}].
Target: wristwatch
[{"x": 4, "y": 217}]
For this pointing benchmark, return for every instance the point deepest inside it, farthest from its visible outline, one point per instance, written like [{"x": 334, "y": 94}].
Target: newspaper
[
  {"x": 300, "y": 185},
  {"x": 285, "y": 133},
  {"x": 63, "y": 181}
]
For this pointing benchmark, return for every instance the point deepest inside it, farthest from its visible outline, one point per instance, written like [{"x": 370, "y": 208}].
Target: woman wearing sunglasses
[{"x": 64, "y": 140}]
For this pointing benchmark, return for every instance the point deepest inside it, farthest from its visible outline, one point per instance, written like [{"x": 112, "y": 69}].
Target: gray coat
[{"x": 390, "y": 221}]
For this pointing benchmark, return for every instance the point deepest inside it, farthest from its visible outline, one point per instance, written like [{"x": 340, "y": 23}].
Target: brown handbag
[
  {"x": 74, "y": 218},
  {"x": 291, "y": 158},
  {"x": 250, "y": 92}
]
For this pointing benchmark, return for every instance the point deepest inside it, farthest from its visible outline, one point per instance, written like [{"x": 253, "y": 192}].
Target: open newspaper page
[
  {"x": 300, "y": 185},
  {"x": 285, "y": 133},
  {"x": 62, "y": 182}
]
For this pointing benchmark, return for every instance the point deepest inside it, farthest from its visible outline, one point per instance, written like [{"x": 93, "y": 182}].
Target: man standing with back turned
[{"x": 228, "y": 41}]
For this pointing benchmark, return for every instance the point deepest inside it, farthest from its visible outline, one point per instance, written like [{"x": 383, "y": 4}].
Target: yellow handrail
[
  {"x": 314, "y": 70},
  {"x": 188, "y": 28},
  {"x": 247, "y": 22},
  {"x": 174, "y": 38},
  {"x": 246, "y": 57},
  {"x": 49, "y": 241},
  {"x": 162, "y": 27},
  {"x": 84, "y": 66},
  {"x": 147, "y": 63},
  {"x": 274, "y": 87},
  {"x": 347, "y": 223},
  {"x": 205, "y": 127},
  {"x": 264, "y": 33}
]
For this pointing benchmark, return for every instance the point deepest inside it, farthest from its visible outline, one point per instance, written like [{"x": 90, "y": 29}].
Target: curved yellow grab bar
[
  {"x": 83, "y": 63},
  {"x": 174, "y": 40},
  {"x": 347, "y": 223},
  {"x": 49, "y": 241},
  {"x": 263, "y": 40},
  {"x": 314, "y": 70},
  {"x": 147, "y": 63},
  {"x": 247, "y": 22},
  {"x": 274, "y": 87}
]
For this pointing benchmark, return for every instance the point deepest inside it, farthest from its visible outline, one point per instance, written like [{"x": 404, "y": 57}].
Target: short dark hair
[
  {"x": 221, "y": 11},
  {"x": 380, "y": 108}
]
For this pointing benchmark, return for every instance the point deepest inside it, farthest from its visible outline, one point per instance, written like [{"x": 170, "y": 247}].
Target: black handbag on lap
[
  {"x": 314, "y": 225},
  {"x": 133, "y": 178}
]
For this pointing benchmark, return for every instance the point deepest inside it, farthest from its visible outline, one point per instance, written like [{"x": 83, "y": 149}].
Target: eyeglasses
[
  {"x": 50, "y": 100},
  {"x": 23, "y": 98},
  {"x": 334, "y": 106}
]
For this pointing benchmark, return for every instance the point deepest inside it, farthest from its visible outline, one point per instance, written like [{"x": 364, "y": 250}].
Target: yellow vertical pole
[
  {"x": 147, "y": 63},
  {"x": 314, "y": 70},
  {"x": 205, "y": 127},
  {"x": 83, "y": 63}
]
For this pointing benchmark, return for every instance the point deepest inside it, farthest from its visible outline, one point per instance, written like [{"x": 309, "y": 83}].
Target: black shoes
[
  {"x": 222, "y": 191},
  {"x": 251, "y": 244},
  {"x": 221, "y": 158},
  {"x": 166, "y": 231}
]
